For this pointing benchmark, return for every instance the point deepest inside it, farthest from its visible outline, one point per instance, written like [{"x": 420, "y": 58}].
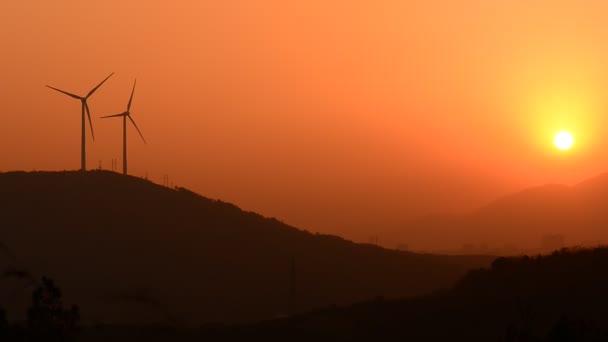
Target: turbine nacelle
[
  {"x": 83, "y": 100},
  {"x": 127, "y": 113}
]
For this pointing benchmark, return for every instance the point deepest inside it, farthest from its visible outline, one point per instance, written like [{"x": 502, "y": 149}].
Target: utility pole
[{"x": 291, "y": 310}]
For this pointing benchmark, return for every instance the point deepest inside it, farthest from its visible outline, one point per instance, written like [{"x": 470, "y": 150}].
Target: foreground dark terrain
[
  {"x": 130, "y": 252},
  {"x": 561, "y": 297}
]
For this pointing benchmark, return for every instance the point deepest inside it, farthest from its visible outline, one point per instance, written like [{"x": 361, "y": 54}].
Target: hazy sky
[{"x": 334, "y": 116}]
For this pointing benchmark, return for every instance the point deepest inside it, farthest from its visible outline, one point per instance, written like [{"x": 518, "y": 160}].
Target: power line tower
[
  {"x": 292, "y": 287},
  {"x": 374, "y": 240}
]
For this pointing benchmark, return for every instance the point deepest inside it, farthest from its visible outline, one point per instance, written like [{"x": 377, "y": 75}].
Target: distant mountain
[
  {"x": 560, "y": 297},
  {"x": 130, "y": 251},
  {"x": 519, "y": 222}
]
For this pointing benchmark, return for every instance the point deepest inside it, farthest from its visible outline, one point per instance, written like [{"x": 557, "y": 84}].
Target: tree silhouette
[{"x": 47, "y": 320}]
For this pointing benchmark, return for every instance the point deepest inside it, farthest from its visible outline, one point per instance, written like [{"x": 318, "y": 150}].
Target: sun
[{"x": 563, "y": 140}]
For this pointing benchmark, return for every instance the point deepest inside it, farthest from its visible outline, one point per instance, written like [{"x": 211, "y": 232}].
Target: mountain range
[
  {"x": 129, "y": 251},
  {"x": 535, "y": 220}
]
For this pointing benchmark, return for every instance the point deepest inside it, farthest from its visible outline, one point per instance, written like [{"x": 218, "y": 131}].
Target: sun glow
[{"x": 563, "y": 140}]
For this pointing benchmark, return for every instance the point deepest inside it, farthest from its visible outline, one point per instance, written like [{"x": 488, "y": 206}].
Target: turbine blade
[
  {"x": 65, "y": 92},
  {"x": 86, "y": 106},
  {"x": 131, "y": 98},
  {"x": 137, "y": 128},
  {"x": 99, "y": 85},
  {"x": 113, "y": 116}
]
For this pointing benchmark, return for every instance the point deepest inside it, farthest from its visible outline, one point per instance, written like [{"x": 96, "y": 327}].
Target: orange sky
[{"x": 334, "y": 116}]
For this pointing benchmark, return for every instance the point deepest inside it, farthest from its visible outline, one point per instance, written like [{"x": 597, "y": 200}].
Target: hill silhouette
[
  {"x": 519, "y": 222},
  {"x": 560, "y": 297},
  {"x": 129, "y": 251}
]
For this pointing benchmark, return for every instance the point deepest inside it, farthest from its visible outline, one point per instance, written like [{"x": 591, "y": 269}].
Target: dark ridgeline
[
  {"x": 130, "y": 251},
  {"x": 560, "y": 297},
  {"x": 84, "y": 108}
]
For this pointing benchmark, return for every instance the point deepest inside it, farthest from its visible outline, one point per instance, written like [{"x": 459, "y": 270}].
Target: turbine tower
[
  {"x": 85, "y": 107},
  {"x": 126, "y": 114}
]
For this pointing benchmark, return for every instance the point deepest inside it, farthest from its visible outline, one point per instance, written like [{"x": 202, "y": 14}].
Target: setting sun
[{"x": 563, "y": 140}]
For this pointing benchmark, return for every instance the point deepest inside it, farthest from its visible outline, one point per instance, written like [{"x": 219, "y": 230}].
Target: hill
[
  {"x": 129, "y": 251},
  {"x": 560, "y": 297},
  {"x": 518, "y": 223}
]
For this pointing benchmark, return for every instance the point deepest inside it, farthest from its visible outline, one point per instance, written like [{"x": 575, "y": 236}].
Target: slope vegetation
[{"x": 129, "y": 251}]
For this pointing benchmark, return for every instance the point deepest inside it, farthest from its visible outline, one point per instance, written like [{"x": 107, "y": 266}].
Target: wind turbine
[
  {"x": 85, "y": 107},
  {"x": 126, "y": 114}
]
